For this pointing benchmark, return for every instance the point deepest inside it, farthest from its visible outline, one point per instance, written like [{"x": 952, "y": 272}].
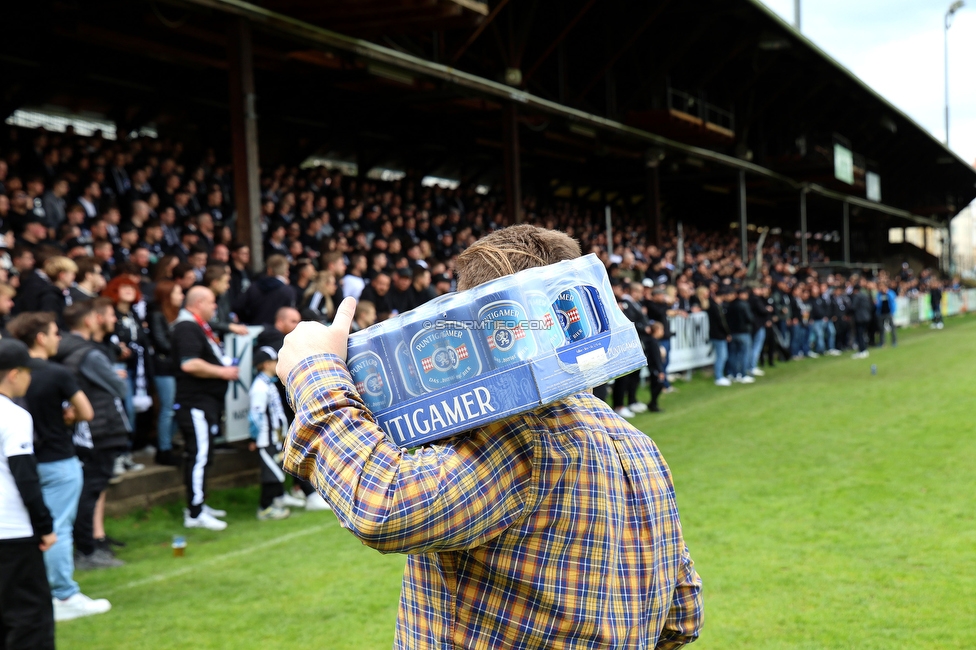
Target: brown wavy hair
[{"x": 163, "y": 295}]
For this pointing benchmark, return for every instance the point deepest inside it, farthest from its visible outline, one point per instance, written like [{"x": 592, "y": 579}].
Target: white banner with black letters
[{"x": 690, "y": 347}]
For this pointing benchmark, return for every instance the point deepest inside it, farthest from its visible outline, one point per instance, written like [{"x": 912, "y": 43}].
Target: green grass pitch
[{"x": 825, "y": 507}]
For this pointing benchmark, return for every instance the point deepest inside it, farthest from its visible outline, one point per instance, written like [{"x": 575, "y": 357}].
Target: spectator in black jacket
[
  {"x": 762, "y": 325},
  {"x": 739, "y": 318},
  {"x": 719, "y": 334},
  {"x": 840, "y": 318},
  {"x": 625, "y": 388},
  {"x": 819, "y": 318},
  {"x": 378, "y": 293},
  {"x": 261, "y": 302},
  {"x": 102, "y": 440},
  {"x": 162, "y": 314},
  {"x": 935, "y": 298},
  {"x": 863, "y": 315},
  {"x": 655, "y": 364}
]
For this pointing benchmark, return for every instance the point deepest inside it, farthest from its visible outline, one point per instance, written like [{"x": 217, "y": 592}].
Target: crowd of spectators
[{"x": 109, "y": 247}]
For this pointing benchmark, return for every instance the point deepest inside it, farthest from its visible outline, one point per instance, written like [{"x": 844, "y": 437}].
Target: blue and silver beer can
[
  {"x": 370, "y": 369},
  {"x": 503, "y": 324},
  {"x": 406, "y": 369},
  {"x": 544, "y": 323},
  {"x": 575, "y": 313},
  {"x": 443, "y": 347}
]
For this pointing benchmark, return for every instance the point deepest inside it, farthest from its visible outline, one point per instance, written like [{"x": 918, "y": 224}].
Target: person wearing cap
[
  {"x": 268, "y": 426},
  {"x": 441, "y": 283},
  {"x": 35, "y": 233},
  {"x": 26, "y": 525},
  {"x": 52, "y": 386},
  {"x": 557, "y": 528},
  {"x": 400, "y": 297}
]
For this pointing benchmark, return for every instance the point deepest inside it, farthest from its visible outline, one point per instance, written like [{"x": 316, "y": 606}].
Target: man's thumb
[{"x": 344, "y": 314}]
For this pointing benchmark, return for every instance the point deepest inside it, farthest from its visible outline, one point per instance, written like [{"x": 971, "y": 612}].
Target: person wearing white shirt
[{"x": 26, "y": 526}]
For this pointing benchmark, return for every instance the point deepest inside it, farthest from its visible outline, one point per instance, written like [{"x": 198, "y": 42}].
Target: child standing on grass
[{"x": 268, "y": 425}]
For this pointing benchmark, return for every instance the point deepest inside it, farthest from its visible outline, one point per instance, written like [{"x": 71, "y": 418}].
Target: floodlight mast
[{"x": 953, "y": 8}]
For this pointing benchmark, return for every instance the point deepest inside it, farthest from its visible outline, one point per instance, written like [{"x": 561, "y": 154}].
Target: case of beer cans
[{"x": 506, "y": 347}]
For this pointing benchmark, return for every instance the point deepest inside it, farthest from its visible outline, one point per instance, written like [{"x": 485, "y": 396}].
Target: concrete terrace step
[{"x": 159, "y": 484}]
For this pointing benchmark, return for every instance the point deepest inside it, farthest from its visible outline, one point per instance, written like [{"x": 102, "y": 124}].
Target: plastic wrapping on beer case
[{"x": 509, "y": 346}]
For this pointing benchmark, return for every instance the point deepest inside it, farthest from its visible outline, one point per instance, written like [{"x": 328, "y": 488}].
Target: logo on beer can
[
  {"x": 445, "y": 355},
  {"x": 505, "y": 324},
  {"x": 573, "y": 311}
]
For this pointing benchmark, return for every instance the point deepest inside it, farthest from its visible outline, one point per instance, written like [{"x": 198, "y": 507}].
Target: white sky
[{"x": 896, "y": 47}]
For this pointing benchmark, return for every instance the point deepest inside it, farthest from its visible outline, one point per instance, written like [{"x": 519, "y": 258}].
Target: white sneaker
[
  {"x": 213, "y": 512},
  {"x": 724, "y": 381},
  {"x": 314, "y": 502},
  {"x": 624, "y": 412},
  {"x": 812, "y": 355},
  {"x": 273, "y": 512},
  {"x": 637, "y": 407},
  {"x": 941, "y": 325},
  {"x": 745, "y": 380},
  {"x": 77, "y": 606},
  {"x": 289, "y": 501},
  {"x": 129, "y": 464},
  {"x": 758, "y": 372},
  {"x": 834, "y": 353},
  {"x": 203, "y": 521}
]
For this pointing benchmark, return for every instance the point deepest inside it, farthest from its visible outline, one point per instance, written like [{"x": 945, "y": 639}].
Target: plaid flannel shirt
[{"x": 553, "y": 529}]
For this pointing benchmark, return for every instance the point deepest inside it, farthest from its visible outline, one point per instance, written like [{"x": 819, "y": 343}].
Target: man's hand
[
  {"x": 311, "y": 338},
  {"x": 237, "y": 328},
  {"x": 69, "y": 415},
  {"x": 47, "y": 541},
  {"x": 231, "y": 373}
]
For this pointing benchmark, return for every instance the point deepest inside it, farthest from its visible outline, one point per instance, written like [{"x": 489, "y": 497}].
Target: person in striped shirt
[{"x": 556, "y": 528}]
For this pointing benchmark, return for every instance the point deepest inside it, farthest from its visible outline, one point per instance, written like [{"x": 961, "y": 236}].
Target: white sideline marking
[{"x": 220, "y": 558}]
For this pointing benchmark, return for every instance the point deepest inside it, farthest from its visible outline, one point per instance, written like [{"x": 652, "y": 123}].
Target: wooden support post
[
  {"x": 513, "y": 181},
  {"x": 244, "y": 138}
]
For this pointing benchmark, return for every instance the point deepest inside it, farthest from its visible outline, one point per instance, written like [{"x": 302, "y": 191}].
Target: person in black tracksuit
[
  {"x": 655, "y": 364},
  {"x": 863, "y": 317},
  {"x": 840, "y": 314},
  {"x": 202, "y": 373},
  {"x": 625, "y": 388},
  {"x": 763, "y": 338},
  {"x": 935, "y": 296}
]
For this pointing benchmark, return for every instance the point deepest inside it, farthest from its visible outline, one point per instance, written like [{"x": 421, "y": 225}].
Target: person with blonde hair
[
  {"x": 567, "y": 513},
  {"x": 317, "y": 302},
  {"x": 61, "y": 273}
]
